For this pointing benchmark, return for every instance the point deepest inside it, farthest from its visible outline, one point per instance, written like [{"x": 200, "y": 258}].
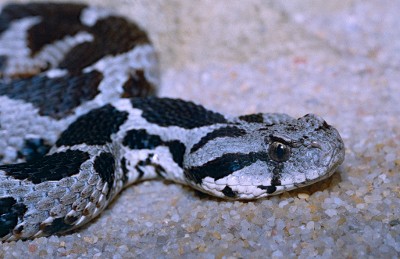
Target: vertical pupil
[{"x": 280, "y": 151}]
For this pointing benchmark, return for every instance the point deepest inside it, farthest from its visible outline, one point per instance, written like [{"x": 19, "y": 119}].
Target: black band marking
[
  {"x": 229, "y": 131},
  {"x": 172, "y": 112},
  {"x": 323, "y": 126},
  {"x": 124, "y": 170},
  {"x": 177, "y": 150},
  {"x": 224, "y": 166},
  {"x": 3, "y": 60},
  {"x": 137, "y": 86},
  {"x": 93, "y": 128},
  {"x": 49, "y": 168},
  {"x": 61, "y": 21},
  {"x": 140, "y": 171},
  {"x": 228, "y": 192},
  {"x": 58, "y": 225},
  {"x": 276, "y": 178},
  {"x": 140, "y": 139},
  {"x": 34, "y": 148},
  {"x": 10, "y": 212},
  {"x": 104, "y": 165},
  {"x": 54, "y": 97},
  {"x": 13, "y": 12},
  {"x": 269, "y": 189},
  {"x": 252, "y": 118}
]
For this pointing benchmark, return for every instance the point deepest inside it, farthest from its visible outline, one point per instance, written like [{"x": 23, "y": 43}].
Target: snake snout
[
  {"x": 334, "y": 149},
  {"x": 315, "y": 144}
]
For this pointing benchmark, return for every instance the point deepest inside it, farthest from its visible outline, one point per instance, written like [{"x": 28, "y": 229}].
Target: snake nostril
[{"x": 316, "y": 145}]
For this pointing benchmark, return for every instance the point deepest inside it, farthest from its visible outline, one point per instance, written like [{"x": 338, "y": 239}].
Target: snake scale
[{"x": 79, "y": 121}]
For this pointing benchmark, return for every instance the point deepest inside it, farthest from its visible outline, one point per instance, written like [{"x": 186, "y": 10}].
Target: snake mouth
[{"x": 278, "y": 189}]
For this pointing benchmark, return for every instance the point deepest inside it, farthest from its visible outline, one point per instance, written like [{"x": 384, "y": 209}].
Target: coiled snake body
[{"x": 82, "y": 79}]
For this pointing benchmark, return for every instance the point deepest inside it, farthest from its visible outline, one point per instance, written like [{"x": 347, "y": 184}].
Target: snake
[{"x": 80, "y": 121}]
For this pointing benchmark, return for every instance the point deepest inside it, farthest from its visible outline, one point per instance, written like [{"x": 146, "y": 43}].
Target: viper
[{"x": 79, "y": 122}]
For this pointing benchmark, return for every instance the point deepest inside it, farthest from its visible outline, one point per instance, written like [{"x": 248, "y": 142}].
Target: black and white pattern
[{"x": 77, "y": 84}]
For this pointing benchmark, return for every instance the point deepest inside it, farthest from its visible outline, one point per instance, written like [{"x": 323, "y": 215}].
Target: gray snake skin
[{"x": 79, "y": 122}]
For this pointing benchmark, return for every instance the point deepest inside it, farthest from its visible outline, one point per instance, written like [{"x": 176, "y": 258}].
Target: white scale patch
[
  {"x": 14, "y": 41},
  {"x": 164, "y": 158},
  {"x": 293, "y": 177},
  {"x": 209, "y": 186},
  {"x": 92, "y": 14},
  {"x": 132, "y": 159},
  {"x": 54, "y": 73},
  {"x": 21, "y": 120}
]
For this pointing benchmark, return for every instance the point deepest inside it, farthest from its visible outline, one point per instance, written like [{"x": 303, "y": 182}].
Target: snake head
[
  {"x": 301, "y": 153},
  {"x": 268, "y": 158}
]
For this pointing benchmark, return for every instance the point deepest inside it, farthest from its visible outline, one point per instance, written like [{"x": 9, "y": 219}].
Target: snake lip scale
[{"x": 79, "y": 121}]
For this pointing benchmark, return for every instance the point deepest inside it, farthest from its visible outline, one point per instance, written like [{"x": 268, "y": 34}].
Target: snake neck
[
  {"x": 158, "y": 135},
  {"x": 149, "y": 153}
]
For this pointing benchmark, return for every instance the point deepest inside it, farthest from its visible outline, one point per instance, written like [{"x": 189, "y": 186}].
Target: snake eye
[{"x": 279, "y": 152}]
